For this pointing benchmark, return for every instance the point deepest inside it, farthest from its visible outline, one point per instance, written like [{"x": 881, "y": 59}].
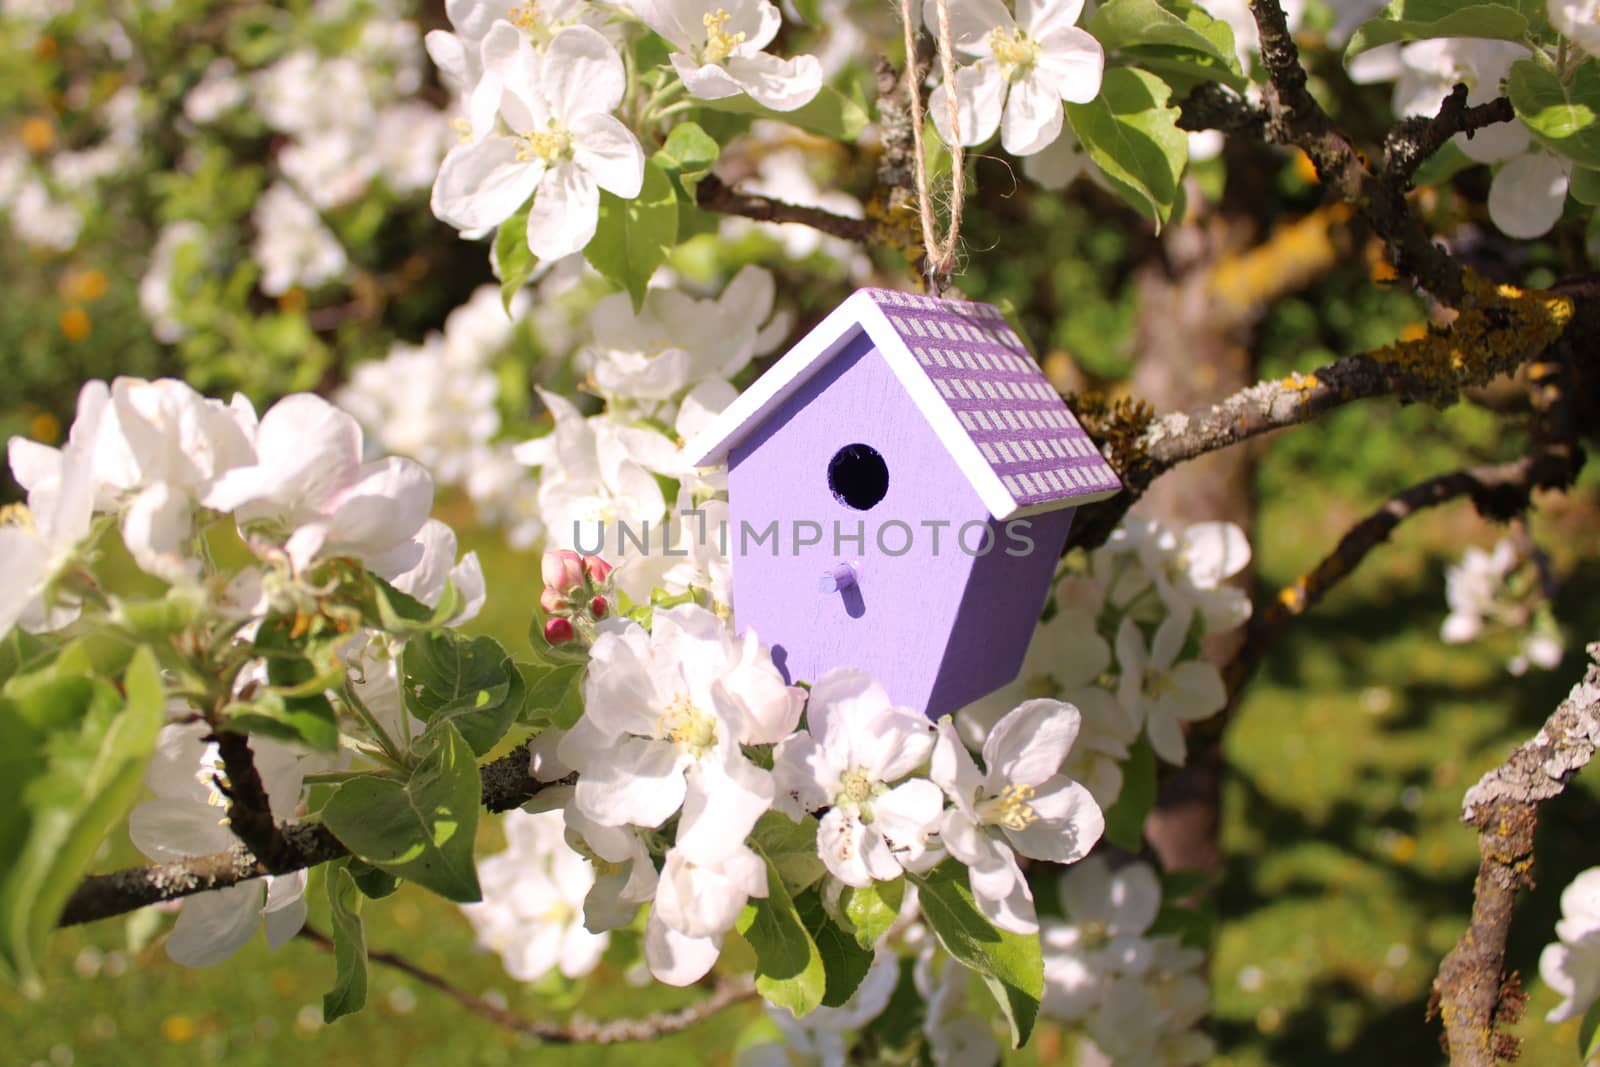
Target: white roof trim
[{"x": 860, "y": 312}]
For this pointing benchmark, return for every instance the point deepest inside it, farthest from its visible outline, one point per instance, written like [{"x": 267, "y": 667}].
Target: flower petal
[
  {"x": 1528, "y": 194},
  {"x": 565, "y": 212},
  {"x": 1033, "y": 117},
  {"x": 581, "y": 74},
  {"x": 481, "y": 185},
  {"x": 780, "y": 84},
  {"x": 610, "y": 152}
]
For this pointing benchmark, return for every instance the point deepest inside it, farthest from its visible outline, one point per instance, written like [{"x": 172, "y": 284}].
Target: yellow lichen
[{"x": 1499, "y": 327}]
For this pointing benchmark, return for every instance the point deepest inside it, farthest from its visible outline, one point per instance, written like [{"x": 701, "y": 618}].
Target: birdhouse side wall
[
  {"x": 909, "y": 574},
  {"x": 998, "y": 614}
]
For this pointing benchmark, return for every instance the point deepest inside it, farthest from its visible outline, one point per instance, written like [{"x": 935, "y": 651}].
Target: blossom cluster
[
  {"x": 166, "y": 466},
  {"x": 541, "y": 85},
  {"x": 1137, "y": 995},
  {"x": 1503, "y": 589}
]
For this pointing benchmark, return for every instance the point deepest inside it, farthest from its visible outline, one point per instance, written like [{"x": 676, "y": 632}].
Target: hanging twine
[{"x": 940, "y": 256}]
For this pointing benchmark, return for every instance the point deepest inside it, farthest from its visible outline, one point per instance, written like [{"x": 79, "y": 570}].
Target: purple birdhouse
[{"x": 901, "y": 484}]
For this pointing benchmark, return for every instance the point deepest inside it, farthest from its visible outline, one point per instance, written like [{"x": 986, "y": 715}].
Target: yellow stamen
[
  {"x": 549, "y": 146},
  {"x": 1011, "y": 808},
  {"x": 525, "y": 17},
  {"x": 1015, "y": 52},
  {"x": 719, "y": 42},
  {"x": 684, "y": 724},
  {"x": 16, "y": 515}
]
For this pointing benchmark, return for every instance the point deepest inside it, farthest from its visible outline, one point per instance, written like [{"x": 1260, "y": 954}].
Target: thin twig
[
  {"x": 1496, "y": 489},
  {"x": 1295, "y": 118},
  {"x": 712, "y": 194},
  {"x": 1413, "y": 140},
  {"x": 506, "y": 785},
  {"x": 1472, "y": 994},
  {"x": 577, "y": 1031}
]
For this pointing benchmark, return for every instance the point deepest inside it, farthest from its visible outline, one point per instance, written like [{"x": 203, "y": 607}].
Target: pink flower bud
[
  {"x": 561, "y": 569},
  {"x": 558, "y": 631},
  {"x": 553, "y": 600},
  {"x": 596, "y": 568},
  {"x": 599, "y": 606}
]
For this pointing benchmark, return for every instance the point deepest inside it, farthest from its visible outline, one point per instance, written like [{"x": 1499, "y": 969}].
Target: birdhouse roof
[{"x": 969, "y": 375}]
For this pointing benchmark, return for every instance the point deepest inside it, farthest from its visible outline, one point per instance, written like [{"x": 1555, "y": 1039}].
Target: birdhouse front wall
[{"x": 908, "y": 574}]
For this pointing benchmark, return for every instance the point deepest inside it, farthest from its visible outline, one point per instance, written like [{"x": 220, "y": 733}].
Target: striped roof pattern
[{"x": 984, "y": 373}]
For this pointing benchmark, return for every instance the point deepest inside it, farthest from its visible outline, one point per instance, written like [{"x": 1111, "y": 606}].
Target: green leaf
[
  {"x": 514, "y": 260},
  {"x": 1123, "y": 24},
  {"x": 1132, "y": 135},
  {"x": 373, "y": 883},
  {"x": 844, "y": 962},
  {"x": 789, "y": 969},
  {"x": 1585, "y": 187},
  {"x": 1417, "y": 20},
  {"x": 309, "y": 721},
  {"x": 470, "y": 681},
  {"x": 349, "y": 992},
  {"x": 1125, "y": 818},
  {"x": 1183, "y": 69},
  {"x": 687, "y": 156},
  {"x": 555, "y": 691},
  {"x": 420, "y": 830},
  {"x": 633, "y": 237},
  {"x": 401, "y": 613},
  {"x": 1589, "y": 1033},
  {"x": 89, "y": 747},
  {"x": 1564, "y": 116},
  {"x": 1010, "y": 964},
  {"x": 873, "y": 910},
  {"x": 830, "y": 113},
  {"x": 791, "y": 847},
  {"x": 21, "y": 652}
]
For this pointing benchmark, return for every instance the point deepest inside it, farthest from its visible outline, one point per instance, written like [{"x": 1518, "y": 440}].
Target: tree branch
[
  {"x": 506, "y": 785},
  {"x": 1472, "y": 993},
  {"x": 1507, "y": 328},
  {"x": 249, "y": 808},
  {"x": 1497, "y": 490},
  {"x": 576, "y": 1031},
  {"x": 712, "y": 194}
]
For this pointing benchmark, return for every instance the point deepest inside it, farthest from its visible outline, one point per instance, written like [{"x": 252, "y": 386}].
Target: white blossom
[
  {"x": 956, "y": 1035},
  {"x": 720, "y": 50},
  {"x": 677, "y": 342},
  {"x": 665, "y": 714},
  {"x": 1579, "y": 20},
  {"x": 532, "y": 908},
  {"x": 820, "y": 1038},
  {"x": 560, "y": 143},
  {"x": 1571, "y": 964},
  {"x": 292, "y": 244},
  {"x": 592, "y": 475},
  {"x": 696, "y": 904},
  {"x": 41, "y": 541},
  {"x": 1024, "y": 68},
  {"x": 1018, "y": 803},
  {"x": 856, "y": 747},
  {"x": 1161, "y": 692},
  {"x": 310, "y": 491}
]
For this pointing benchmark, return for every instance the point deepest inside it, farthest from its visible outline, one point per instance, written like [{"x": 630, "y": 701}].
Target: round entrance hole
[{"x": 858, "y": 476}]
